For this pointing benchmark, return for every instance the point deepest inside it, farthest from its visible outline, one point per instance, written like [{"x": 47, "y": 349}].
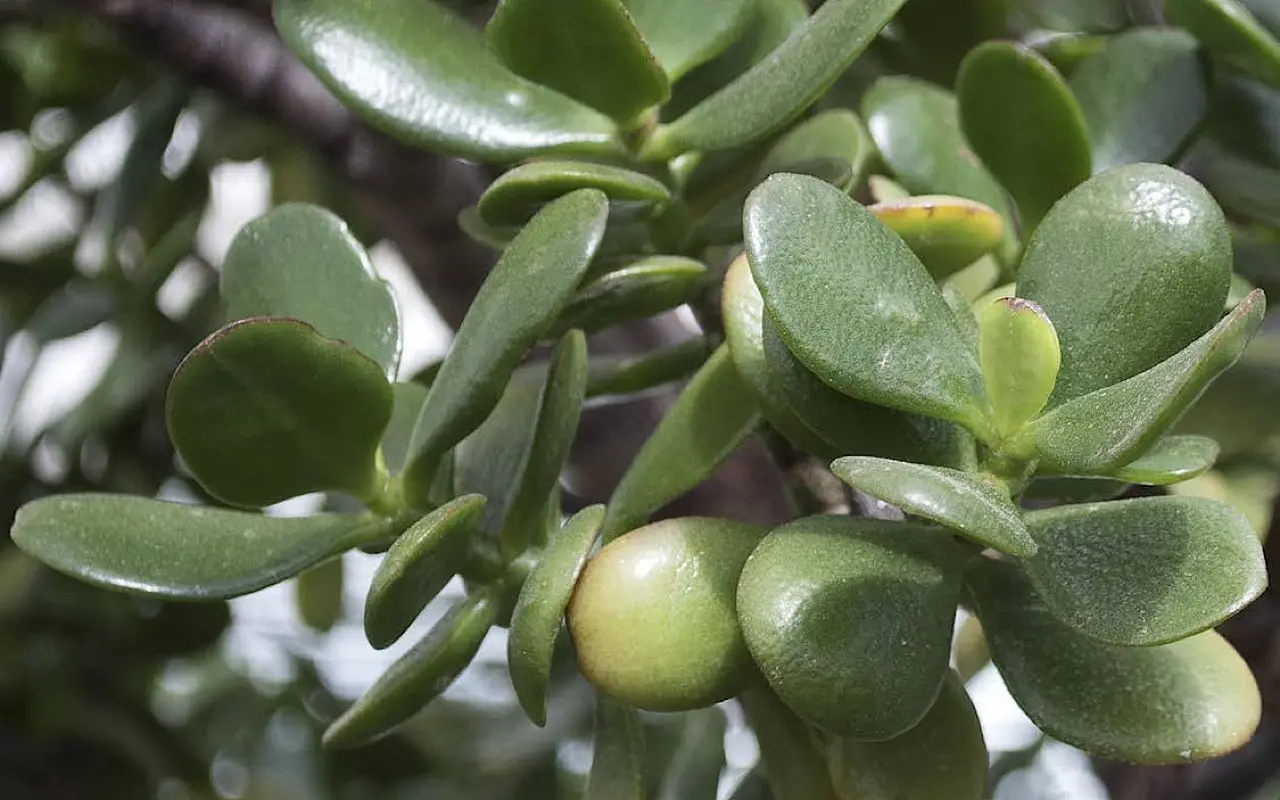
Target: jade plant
[{"x": 988, "y": 308}]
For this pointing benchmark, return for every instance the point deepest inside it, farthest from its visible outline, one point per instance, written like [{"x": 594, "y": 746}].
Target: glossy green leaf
[
  {"x": 1142, "y": 96},
  {"x": 978, "y": 508},
  {"x": 417, "y": 567},
  {"x": 788, "y": 748},
  {"x": 777, "y": 90},
  {"x": 699, "y": 757},
  {"x": 406, "y": 406},
  {"x": 640, "y": 289},
  {"x": 301, "y": 261},
  {"x": 1102, "y": 431},
  {"x": 1173, "y": 459},
  {"x": 417, "y": 677},
  {"x": 1231, "y": 34},
  {"x": 1131, "y": 267},
  {"x": 517, "y": 195},
  {"x": 707, "y": 422},
  {"x": 962, "y": 309},
  {"x": 1025, "y": 125},
  {"x": 1146, "y": 571},
  {"x": 318, "y": 594},
  {"x": 916, "y": 127},
  {"x": 1180, "y": 702},
  {"x": 617, "y": 765},
  {"x": 855, "y": 305},
  {"x": 180, "y": 551},
  {"x": 518, "y": 302},
  {"x": 536, "y": 621},
  {"x": 558, "y": 409},
  {"x": 686, "y": 33},
  {"x": 946, "y": 233},
  {"x": 619, "y": 377},
  {"x": 836, "y": 133},
  {"x": 1020, "y": 356},
  {"x": 268, "y": 409},
  {"x": 589, "y": 50},
  {"x": 944, "y": 757},
  {"x": 850, "y": 620},
  {"x": 424, "y": 75}
]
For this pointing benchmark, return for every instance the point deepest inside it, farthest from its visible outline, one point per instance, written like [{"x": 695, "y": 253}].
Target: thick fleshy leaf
[
  {"x": 946, "y": 233},
  {"x": 638, "y": 290},
  {"x": 1020, "y": 356},
  {"x": 536, "y": 621},
  {"x": 1246, "y": 119},
  {"x": 850, "y": 620},
  {"x": 407, "y": 405},
  {"x": 318, "y": 595},
  {"x": 620, "y": 377},
  {"x": 268, "y": 409},
  {"x": 855, "y": 305},
  {"x": 789, "y": 752},
  {"x": 301, "y": 261},
  {"x": 1142, "y": 96},
  {"x": 518, "y": 302},
  {"x": 777, "y": 90},
  {"x": 1146, "y": 571},
  {"x": 617, "y": 764},
  {"x": 707, "y": 422},
  {"x": 515, "y": 197},
  {"x": 1131, "y": 267},
  {"x": 417, "y": 567},
  {"x": 944, "y": 757},
  {"x": 1025, "y": 125},
  {"x": 979, "y": 509},
  {"x": 589, "y": 50},
  {"x": 685, "y": 33},
  {"x": 699, "y": 757},
  {"x": 1102, "y": 431},
  {"x": 836, "y": 133},
  {"x": 916, "y": 127},
  {"x": 1231, "y": 34},
  {"x": 1173, "y": 459},
  {"x": 424, "y": 75},
  {"x": 183, "y": 552},
  {"x": 417, "y": 677},
  {"x": 1057, "y": 490},
  {"x": 1236, "y": 411},
  {"x": 1067, "y": 51},
  {"x": 1180, "y": 702}
]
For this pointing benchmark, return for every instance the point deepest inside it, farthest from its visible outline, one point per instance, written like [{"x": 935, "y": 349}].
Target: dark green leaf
[
  {"x": 405, "y": 409},
  {"x": 788, "y": 748},
  {"x": 832, "y": 134},
  {"x": 417, "y": 567},
  {"x": 1173, "y": 459},
  {"x": 417, "y": 677},
  {"x": 301, "y": 261},
  {"x": 978, "y": 508},
  {"x": 638, "y": 290},
  {"x": 536, "y": 621},
  {"x": 1231, "y": 34},
  {"x": 519, "y": 300},
  {"x": 1025, "y": 125},
  {"x": 1180, "y": 702},
  {"x": 424, "y": 75},
  {"x": 180, "y": 551},
  {"x": 318, "y": 593},
  {"x": 1131, "y": 267},
  {"x": 1056, "y": 490},
  {"x": 619, "y": 377},
  {"x": 268, "y": 409},
  {"x": 699, "y": 758},
  {"x": 855, "y": 305},
  {"x": 850, "y": 620},
  {"x": 617, "y": 767},
  {"x": 1142, "y": 96},
  {"x": 937, "y": 34},
  {"x": 515, "y": 197},
  {"x": 947, "y": 234},
  {"x": 588, "y": 49},
  {"x": 154, "y": 115},
  {"x": 778, "y": 89},
  {"x": 686, "y": 33}
]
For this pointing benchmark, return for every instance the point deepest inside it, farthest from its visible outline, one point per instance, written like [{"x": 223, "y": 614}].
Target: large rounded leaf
[
  {"x": 855, "y": 305},
  {"x": 181, "y": 551},
  {"x": 1131, "y": 267},
  {"x": 301, "y": 261},
  {"x": 1231, "y": 34},
  {"x": 1145, "y": 571},
  {"x": 516, "y": 196},
  {"x": 1024, "y": 124},
  {"x": 686, "y": 33},
  {"x": 420, "y": 73},
  {"x": 268, "y": 409},
  {"x": 522, "y": 296},
  {"x": 1180, "y": 702},
  {"x": 850, "y": 620}
]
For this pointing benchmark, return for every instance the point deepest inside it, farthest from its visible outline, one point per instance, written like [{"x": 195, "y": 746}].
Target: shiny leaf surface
[
  {"x": 517, "y": 195},
  {"x": 1019, "y": 353},
  {"x": 638, "y": 290},
  {"x": 1171, "y": 460},
  {"x": 686, "y": 33},
  {"x": 947, "y": 234}
]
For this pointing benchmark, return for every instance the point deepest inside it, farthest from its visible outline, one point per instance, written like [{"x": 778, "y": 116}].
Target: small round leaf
[{"x": 1019, "y": 353}]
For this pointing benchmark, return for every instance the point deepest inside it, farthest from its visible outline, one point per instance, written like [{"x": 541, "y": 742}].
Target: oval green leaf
[
  {"x": 1231, "y": 34},
  {"x": 640, "y": 289},
  {"x": 268, "y": 409},
  {"x": 855, "y": 305},
  {"x": 302, "y": 262},
  {"x": 406, "y": 406},
  {"x": 417, "y": 567},
  {"x": 850, "y": 620},
  {"x": 1175, "y": 703},
  {"x": 946, "y": 233},
  {"x": 979, "y": 509},
  {"x": 424, "y": 75},
  {"x": 1173, "y": 459},
  {"x": 518, "y": 302},
  {"x": 686, "y": 33},
  {"x": 1131, "y": 267},
  {"x": 183, "y": 552},
  {"x": 1019, "y": 353},
  {"x": 539, "y": 611},
  {"x": 517, "y": 195},
  {"x": 699, "y": 757},
  {"x": 617, "y": 764},
  {"x": 1025, "y": 125},
  {"x": 836, "y": 134},
  {"x": 609, "y": 378}
]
